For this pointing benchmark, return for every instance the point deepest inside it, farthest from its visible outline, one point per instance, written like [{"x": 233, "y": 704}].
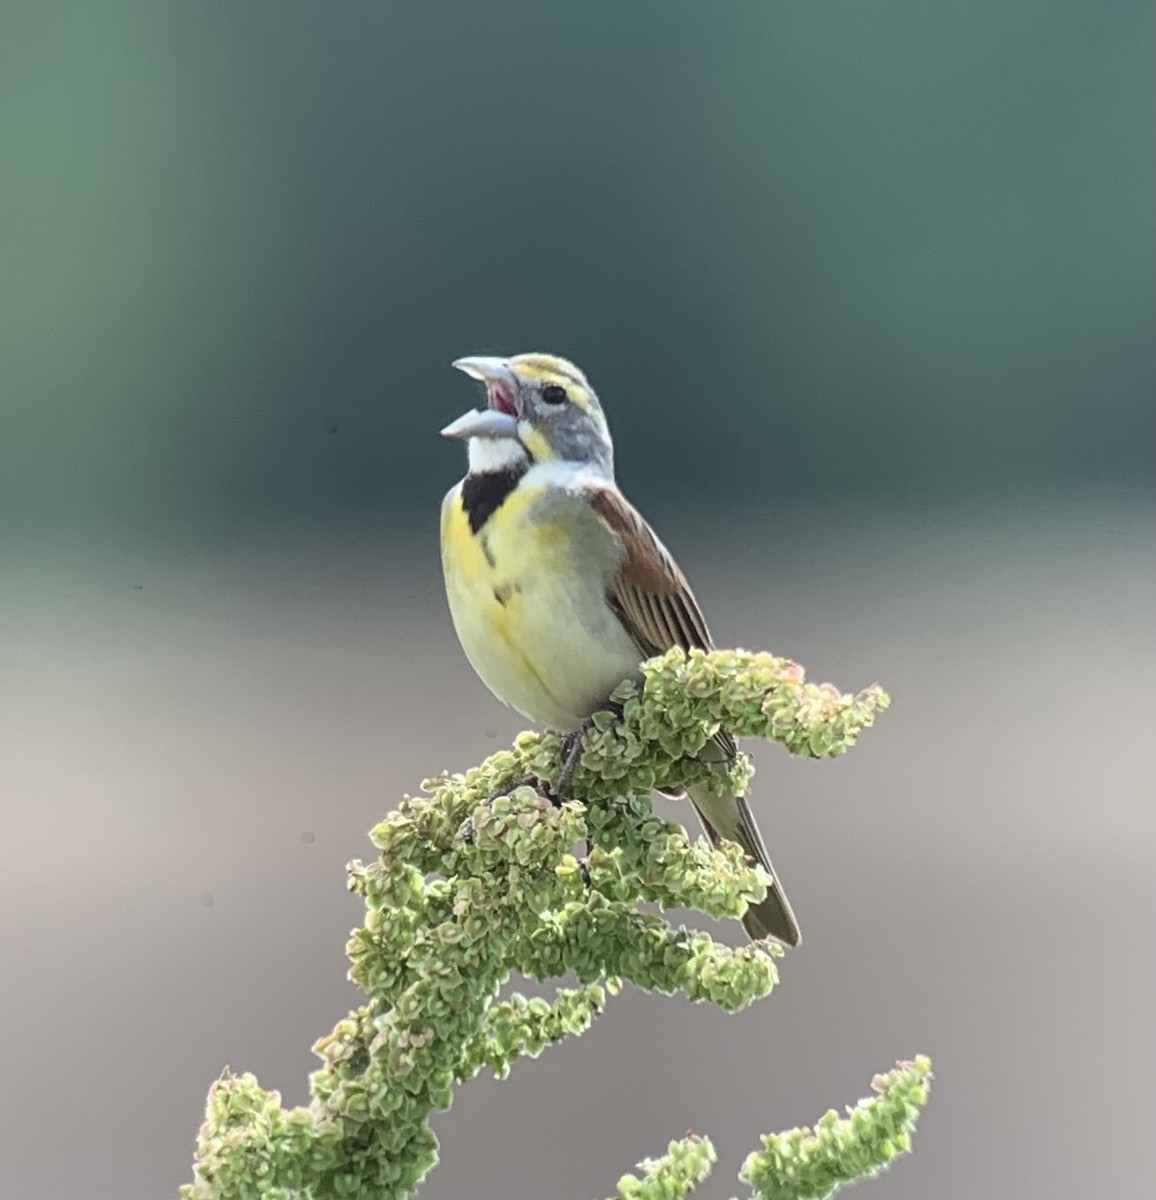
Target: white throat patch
[{"x": 495, "y": 454}]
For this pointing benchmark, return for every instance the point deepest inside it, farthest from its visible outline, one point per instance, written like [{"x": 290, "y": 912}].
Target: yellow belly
[{"x": 528, "y": 599}]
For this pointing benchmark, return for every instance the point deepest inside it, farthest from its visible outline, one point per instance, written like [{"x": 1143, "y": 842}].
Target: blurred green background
[
  {"x": 895, "y": 251},
  {"x": 867, "y": 291}
]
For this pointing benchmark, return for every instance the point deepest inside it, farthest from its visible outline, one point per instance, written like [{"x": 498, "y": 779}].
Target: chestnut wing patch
[{"x": 650, "y": 594}]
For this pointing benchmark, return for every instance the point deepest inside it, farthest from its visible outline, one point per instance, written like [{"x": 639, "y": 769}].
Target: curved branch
[{"x": 478, "y": 878}]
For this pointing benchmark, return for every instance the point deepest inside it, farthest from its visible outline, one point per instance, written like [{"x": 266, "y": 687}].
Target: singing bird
[{"x": 558, "y": 588}]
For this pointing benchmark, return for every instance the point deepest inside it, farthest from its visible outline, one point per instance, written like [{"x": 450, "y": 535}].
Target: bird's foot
[
  {"x": 572, "y": 748},
  {"x": 466, "y": 832}
]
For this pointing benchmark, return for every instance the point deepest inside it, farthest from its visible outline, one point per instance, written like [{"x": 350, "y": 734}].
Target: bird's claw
[{"x": 466, "y": 830}]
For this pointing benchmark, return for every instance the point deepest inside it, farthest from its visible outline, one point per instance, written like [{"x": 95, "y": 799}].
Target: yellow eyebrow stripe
[
  {"x": 547, "y": 369},
  {"x": 540, "y": 366},
  {"x": 578, "y": 394}
]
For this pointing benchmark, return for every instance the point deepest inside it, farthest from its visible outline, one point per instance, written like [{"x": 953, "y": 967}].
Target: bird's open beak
[
  {"x": 501, "y": 418},
  {"x": 485, "y": 424}
]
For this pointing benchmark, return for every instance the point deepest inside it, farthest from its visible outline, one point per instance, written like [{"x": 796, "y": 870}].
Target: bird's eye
[{"x": 554, "y": 394}]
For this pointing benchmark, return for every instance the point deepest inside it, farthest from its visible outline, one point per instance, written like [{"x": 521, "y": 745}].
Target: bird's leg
[
  {"x": 572, "y": 748},
  {"x": 571, "y": 752}
]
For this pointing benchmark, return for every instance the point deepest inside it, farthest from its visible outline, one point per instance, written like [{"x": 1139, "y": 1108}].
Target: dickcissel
[{"x": 558, "y": 587}]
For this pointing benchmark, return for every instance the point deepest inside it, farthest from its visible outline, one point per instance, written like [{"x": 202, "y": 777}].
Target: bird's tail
[{"x": 728, "y": 818}]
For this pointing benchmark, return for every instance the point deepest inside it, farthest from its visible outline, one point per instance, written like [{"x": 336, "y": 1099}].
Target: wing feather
[
  {"x": 649, "y": 591},
  {"x": 657, "y": 608}
]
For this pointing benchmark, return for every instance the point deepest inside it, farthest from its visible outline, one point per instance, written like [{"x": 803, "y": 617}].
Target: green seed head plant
[{"x": 479, "y": 878}]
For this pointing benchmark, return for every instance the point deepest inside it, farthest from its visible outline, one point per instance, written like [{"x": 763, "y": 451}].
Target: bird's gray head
[{"x": 540, "y": 409}]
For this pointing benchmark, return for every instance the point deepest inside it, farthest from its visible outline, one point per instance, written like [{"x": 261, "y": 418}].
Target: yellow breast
[{"x": 527, "y": 594}]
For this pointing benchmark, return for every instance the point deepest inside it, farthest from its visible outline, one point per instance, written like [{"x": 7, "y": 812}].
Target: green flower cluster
[
  {"x": 684, "y": 699},
  {"x": 803, "y": 1164},
  {"x": 687, "y": 1162},
  {"x": 811, "y": 1164},
  {"x": 479, "y": 878}
]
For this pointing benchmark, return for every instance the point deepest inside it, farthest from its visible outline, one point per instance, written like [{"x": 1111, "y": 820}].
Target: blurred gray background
[{"x": 867, "y": 290}]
